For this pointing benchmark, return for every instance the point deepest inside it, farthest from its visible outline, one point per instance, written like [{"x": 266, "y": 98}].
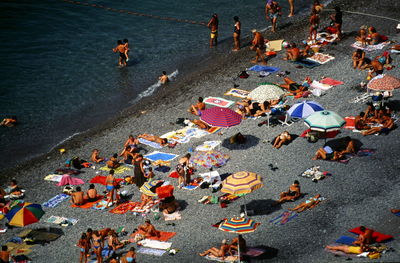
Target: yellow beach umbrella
[{"x": 241, "y": 183}]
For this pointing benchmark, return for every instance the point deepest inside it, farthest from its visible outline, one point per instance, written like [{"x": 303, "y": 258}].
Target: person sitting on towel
[
  {"x": 359, "y": 122},
  {"x": 346, "y": 249},
  {"x": 365, "y": 238},
  {"x": 77, "y": 196},
  {"x": 153, "y": 138},
  {"x": 148, "y": 230},
  {"x": 239, "y": 243},
  {"x": 293, "y": 53},
  {"x": 242, "y": 107},
  {"x": 113, "y": 163},
  {"x": 292, "y": 194},
  {"x": 113, "y": 242},
  {"x": 308, "y": 204},
  {"x": 128, "y": 155},
  {"x": 373, "y": 37},
  {"x": 91, "y": 194},
  {"x": 95, "y": 157},
  {"x": 387, "y": 125},
  {"x": 282, "y": 138},
  {"x": 221, "y": 252},
  {"x": 197, "y": 108},
  {"x": 145, "y": 200}
]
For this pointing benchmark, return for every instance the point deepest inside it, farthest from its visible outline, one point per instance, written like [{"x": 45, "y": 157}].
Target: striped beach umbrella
[
  {"x": 241, "y": 183},
  {"x": 325, "y": 121},
  {"x": 24, "y": 214},
  {"x": 239, "y": 225},
  {"x": 147, "y": 186},
  {"x": 304, "y": 109},
  {"x": 266, "y": 92},
  {"x": 220, "y": 117},
  {"x": 384, "y": 82}
]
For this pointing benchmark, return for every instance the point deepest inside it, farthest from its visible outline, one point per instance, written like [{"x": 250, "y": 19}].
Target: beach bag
[
  {"x": 237, "y": 138},
  {"x": 243, "y": 75}
]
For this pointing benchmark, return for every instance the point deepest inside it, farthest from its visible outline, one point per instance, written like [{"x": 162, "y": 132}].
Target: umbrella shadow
[
  {"x": 251, "y": 141},
  {"x": 182, "y": 204},
  {"x": 224, "y": 176},
  {"x": 393, "y": 104},
  {"x": 338, "y": 143},
  {"x": 269, "y": 252},
  {"x": 261, "y": 207}
]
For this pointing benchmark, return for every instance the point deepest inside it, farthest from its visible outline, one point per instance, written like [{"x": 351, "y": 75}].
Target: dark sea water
[{"x": 59, "y": 75}]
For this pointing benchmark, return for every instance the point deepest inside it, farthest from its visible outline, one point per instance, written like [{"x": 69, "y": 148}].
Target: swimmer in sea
[
  {"x": 9, "y": 122},
  {"x": 163, "y": 78},
  {"x": 121, "y": 49}
]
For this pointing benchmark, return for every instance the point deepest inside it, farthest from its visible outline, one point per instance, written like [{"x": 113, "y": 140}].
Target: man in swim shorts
[
  {"x": 213, "y": 26},
  {"x": 77, "y": 196},
  {"x": 272, "y": 11},
  {"x": 121, "y": 48}
]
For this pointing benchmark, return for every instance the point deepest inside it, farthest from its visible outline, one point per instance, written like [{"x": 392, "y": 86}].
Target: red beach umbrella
[
  {"x": 221, "y": 117},
  {"x": 384, "y": 82}
]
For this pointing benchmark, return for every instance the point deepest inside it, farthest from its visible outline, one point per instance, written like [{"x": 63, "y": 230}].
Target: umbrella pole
[{"x": 238, "y": 249}]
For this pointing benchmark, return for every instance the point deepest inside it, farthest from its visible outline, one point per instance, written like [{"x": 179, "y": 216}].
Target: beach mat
[
  {"x": 305, "y": 63},
  {"x": 69, "y": 180},
  {"x": 237, "y": 93},
  {"x": 59, "y": 220},
  {"x": 155, "y": 244},
  {"x": 219, "y": 102},
  {"x": 259, "y": 68},
  {"x": 123, "y": 208},
  {"x": 118, "y": 170},
  {"x": 160, "y": 156},
  {"x": 171, "y": 217},
  {"x": 88, "y": 205},
  {"x": 146, "y": 208},
  {"x": 100, "y": 179},
  {"x": 54, "y": 177},
  {"x": 275, "y": 45},
  {"x": 350, "y": 122},
  {"x": 331, "y": 82},
  {"x": 378, "y": 237},
  {"x": 55, "y": 201},
  {"x": 320, "y": 58},
  {"x": 368, "y": 48},
  {"x": 151, "y": 251},
  {"x": 150, "y": 143},
  {"x": 346, "y": 240},
  {"x": 164, "y": 236}
]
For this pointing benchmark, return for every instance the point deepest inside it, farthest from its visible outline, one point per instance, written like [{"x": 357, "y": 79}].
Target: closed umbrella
[
  {"x": 384, "y": 82},
  {"x": 209, "y": 159},
  {"x": 24, "y": 214},
  {"x": 304, "y": 109},
  {"x": 266, "y": 92},
  {"x": 220, "y": 117},
  {"x": 325, "y": 121},
  {"x": 239, "y": 225}
]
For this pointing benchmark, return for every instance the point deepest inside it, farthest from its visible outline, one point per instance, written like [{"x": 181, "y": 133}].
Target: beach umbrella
[
  {"x": 24, "y": 214},
  {"x": 209, "y": 159},
  {"x": 304, "y": 109},
  {"x": 148, "y": 188},
  {"x": 239, "y": 225},
  {"x": 241, "y": 183},
  {"x": 266, "y": 92},
  {"x": 324, "y": 121},
  {"x": 220, "y": 117},
  {"x": 384, "y": 82}
]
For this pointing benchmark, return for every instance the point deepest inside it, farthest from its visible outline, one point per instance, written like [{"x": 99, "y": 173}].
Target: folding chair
[{"x": 288, "y": 120}]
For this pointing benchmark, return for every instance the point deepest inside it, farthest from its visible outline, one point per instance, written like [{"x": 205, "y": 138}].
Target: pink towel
[
  {"x": 331, "y": 82},
  {"x": 67, "y": 179}
]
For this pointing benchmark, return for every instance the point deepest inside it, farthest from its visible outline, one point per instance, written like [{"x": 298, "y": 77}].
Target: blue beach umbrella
[
  {"x": 304, "y": 109},
  {"x": 324, "y": 121}
]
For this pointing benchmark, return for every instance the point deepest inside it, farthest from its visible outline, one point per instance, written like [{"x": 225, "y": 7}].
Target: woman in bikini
[
  {"x": 128, "y": 155},
  {"x": 97, "y": 246},
  {"x": 110, "y": 186},
  {"x": 182, "y": 169},
  {"x": 236, "y": 34},
  {"x": 308, "y": 204},
  {"x": 133, "y": 143},
  {"x": 84, "y": 246},
  {"x": 282, "y": 138}
]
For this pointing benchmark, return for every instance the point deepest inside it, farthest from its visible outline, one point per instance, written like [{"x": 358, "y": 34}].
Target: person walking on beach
[
  {"x": 236, "y": 34},
  {"x": 121, "y": 49},
  {"x": 337, "y": 19},
  {"x": 258, "y": 45},
  {"x": 314, "y": 23},
  {"x": 213, "y": 26},
  {"x": 272, "y": 11},
  {"x": 291, "y": 5}
]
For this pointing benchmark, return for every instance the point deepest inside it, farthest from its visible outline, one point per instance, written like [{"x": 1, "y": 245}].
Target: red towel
[
  {"x": 174, "y": 174},
  {"x": 99, "y": 179},
  {"x": 350, "y": 122},
  {"x": 378, "y": 237},
  {"x": 123, "y": 208},
  {"x": 331, "y": 82}
]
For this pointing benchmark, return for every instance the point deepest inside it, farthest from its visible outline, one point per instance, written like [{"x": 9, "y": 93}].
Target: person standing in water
[
  {"x": 236, "y": 34},
  {"x": 126, "y": 44},
  {"x": 272, "y": 11},
  {"x": 121, "y": 49},
  {"x": 213, "y": 26}
]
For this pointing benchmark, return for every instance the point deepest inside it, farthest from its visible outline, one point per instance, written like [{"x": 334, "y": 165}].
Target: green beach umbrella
[{"x": 325, "y": 121}]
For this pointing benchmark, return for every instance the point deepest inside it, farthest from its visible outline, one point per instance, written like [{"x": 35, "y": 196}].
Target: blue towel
[
  {"x": 264, "y": 68},
  {"x": 306, "y": 63},
  {"x": 149, "y": 143},
  {"x": 55, "y": 201},
  {"x": 160, "y": 156},
  {"x": 346, "y": 240},
  {"x": 397, "y": 214}
]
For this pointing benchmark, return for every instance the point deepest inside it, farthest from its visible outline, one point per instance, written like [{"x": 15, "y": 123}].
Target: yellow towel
[{"x": 275, "y": 45}]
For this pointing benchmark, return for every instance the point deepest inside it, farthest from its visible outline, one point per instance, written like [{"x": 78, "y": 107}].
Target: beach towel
[
  {"x": 350, "y": 122},
  {"x": 100, "y": 179},
  {"x": 283, "y": 218},
  {"x": 160, "y": 156},
  {"x": 340, "y": 253},
  {"x": 325, "y": 38},
  {"x": 253, "y": 252},
  {"x": 54, "y": 177},
  {"x": 320, "y": 58},
  {"x": 171, "y": 217},
  {"x": 58, "y": 220},
  {"x": 150, "y": 143},
  {"x": 190, "y": 187},
  {"x": 146, "y": 208},
  {"x": 259, "y": 68},
  {"x": 275, "y": 45},
  {"x": 155, "y": 244},
  {"x": 395, "y": 51},
  {"x": 397, "y": 214},
  {"x": 216, "y": 101},
  {"x": 346, "y": 240},
  {"x": 55, "y": 201},
  {"x": 237, "y": 93},
  {"x": 88, "y": 205},
  {"x": 101, "y": 205},
  {"x": 125, "y": 207},
  {"x": 68, "y": 180},
  {"x": 331, "y": 82},
  {"x": 164, "y": 236},
  {"x": 184, "y": 135},
  {"x": 378, "y": 237},
  {"x": 318, "y": 85},
  {"x": 369, "y": 48},
  {"x": 207, "y": 145},
  {"x": 151, "y": 251},
  {"x": 174, "y": 174},
  {"x": 119, "y": 170},
  {"x": 306, "y": 63},
  {"x": 229, "y": 259}
]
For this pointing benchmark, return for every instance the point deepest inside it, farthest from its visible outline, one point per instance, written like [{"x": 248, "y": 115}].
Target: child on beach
[
  {"x": 95, "y": 157},
  {"x": 126, "y": 44},
  {"x": 120, "y": 48}
]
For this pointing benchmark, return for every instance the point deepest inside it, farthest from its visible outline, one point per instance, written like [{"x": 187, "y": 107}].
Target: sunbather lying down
[
  {"x": 221, "y": 252},
  {"x": 153, "y": 138},
  {"x": 308, "y": 204},
  {"x": 282, "y": 138},
  {"x": 346, "y": 249}
]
